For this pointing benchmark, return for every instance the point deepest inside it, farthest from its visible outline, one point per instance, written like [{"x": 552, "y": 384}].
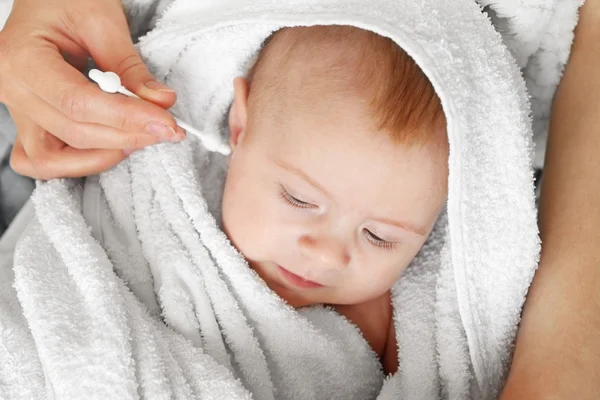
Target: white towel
[
  {"x": 539, "y": 34},
  {"x": 5, "y": 8},
  {"x": 127, "y": 288}
]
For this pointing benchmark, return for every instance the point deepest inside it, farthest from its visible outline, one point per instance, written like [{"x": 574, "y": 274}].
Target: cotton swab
[{"x": 111, "y": 83}]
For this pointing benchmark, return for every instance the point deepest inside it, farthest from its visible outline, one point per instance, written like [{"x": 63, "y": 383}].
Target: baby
[{"x": 338, "y": 171}]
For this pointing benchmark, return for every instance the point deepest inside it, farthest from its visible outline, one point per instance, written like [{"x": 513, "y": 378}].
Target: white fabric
[
  {"x": 5, "y": 7},
  {"x": 127, "y": 288},
  {"x": 539, "y": 34}
]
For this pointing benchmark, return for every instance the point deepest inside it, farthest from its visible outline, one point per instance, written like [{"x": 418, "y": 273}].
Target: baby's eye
[
  {"x": 377, "y": 241},
  {"x": 294, "y": 201}
]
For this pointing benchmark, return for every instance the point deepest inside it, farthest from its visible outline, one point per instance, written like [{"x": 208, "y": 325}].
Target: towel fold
[{"x": 126, "y": 287}]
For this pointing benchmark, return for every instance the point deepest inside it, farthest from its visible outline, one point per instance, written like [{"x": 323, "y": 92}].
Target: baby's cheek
[
  {"x": 261, "y": 233},
  {"x": 247, "y": 226},
  {"x": 236, "y": 226},
  {"x": 233, "y": 219}
]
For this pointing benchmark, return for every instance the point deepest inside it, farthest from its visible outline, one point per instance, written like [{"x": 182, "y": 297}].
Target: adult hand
[{"x": 66, "y": 125}]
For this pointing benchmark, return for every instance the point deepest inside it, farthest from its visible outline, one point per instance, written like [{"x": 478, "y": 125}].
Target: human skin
[
  {"x": 66, "y": 126},
  {"x": 315, "y": 188},
  {"x": 557, "y": 353},
  {"x": 557, "y": 350},
  {"x": 327, "y": 208}
]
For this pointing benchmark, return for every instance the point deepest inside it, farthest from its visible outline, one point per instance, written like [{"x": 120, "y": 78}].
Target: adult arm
[{"x": 557, "y": 353}]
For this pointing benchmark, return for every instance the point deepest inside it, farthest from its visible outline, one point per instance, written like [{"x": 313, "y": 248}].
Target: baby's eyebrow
[{"x": 303, "y": 175}]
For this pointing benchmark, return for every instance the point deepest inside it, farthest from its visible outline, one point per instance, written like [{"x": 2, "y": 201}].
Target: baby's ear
[{"x": 238, "y": 114}]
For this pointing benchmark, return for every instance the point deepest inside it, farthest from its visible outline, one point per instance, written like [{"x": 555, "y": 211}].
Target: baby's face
[{"x": 326, "y": 209}]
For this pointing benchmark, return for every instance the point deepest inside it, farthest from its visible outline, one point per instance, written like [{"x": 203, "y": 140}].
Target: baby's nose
[{"x": 327, "y": 252}]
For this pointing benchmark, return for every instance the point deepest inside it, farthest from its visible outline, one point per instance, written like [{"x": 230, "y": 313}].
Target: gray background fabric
[{"x": 14, "y": 189}]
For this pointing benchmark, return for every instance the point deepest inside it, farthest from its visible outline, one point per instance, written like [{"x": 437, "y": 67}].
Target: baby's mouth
[{"x": 297, "y": 280}]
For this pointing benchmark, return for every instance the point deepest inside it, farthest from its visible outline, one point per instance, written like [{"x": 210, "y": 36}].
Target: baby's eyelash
[
  {"x": 377, "y": 241},
  {"x": 291, "y": 200},
  {"x": 297, "y": 203}
]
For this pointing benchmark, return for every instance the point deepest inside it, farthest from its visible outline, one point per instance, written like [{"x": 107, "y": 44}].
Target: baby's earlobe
[
  {"x": 235, "y": 128},
  {"x": 238, "y": 112}
]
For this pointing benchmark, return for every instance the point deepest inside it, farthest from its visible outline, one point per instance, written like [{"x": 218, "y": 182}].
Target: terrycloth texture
[
  {"x": 127, "y": 288},
  {"x": 539, "y": 34}
]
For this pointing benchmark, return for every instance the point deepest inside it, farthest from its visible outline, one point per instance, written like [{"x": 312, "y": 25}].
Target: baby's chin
[
  {"x": 294, "y": 298},
  {"x": 298, "y": 297}
]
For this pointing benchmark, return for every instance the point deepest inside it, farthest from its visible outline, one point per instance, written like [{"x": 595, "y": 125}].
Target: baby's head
[{"x": 338, "y": 169}]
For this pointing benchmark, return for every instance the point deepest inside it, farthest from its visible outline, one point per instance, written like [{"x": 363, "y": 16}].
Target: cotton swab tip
[{"x": 111, "y": 83}]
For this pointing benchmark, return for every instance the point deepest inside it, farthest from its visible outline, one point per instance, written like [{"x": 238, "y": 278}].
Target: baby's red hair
[{"x": 401, "y": 97}]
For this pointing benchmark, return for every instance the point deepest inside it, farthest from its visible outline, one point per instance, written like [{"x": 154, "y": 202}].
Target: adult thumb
[{"x": 112, "y": 49}]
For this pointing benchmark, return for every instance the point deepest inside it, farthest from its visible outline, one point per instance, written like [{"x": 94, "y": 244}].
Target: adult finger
[
  {"x": 111, "y": 47},
  {"x": 41, "y": 155},
  {"x": 83, "y": 135},
  {"x": 67, "y": 90},
  {"x": 19, "y": 161},
  {"x": 49, "y": 158}
]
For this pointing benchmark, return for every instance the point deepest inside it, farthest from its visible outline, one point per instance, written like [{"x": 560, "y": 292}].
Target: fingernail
[
  {"x": 164, "y": 132},
  {"x": 180, "y": 131},
  {"x": 154, "y": 85}
]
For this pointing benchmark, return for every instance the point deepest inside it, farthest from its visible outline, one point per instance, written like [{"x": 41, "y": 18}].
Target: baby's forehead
[
  {"x": 299, "y": 67},
  {"x": 300, "y": 56}
]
